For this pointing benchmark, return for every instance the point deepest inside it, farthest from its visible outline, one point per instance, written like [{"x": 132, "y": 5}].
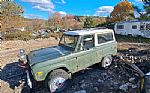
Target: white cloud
[
  {"x": 60, "y": 1},
  {"x": 63, "y": 1},
  {"x": 37, "y": 1},
  {"x": 138, "y": 1},
  {"x": 39, "y": 7},
  {"x": 43, "y": 5},
  {"x": 62, "y": 13},
  {"x": 104, "y": 11},
  {"x": 33, "y": 16}
]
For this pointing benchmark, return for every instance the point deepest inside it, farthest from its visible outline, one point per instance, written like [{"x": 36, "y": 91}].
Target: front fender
[{"x": 46, "y": 70}]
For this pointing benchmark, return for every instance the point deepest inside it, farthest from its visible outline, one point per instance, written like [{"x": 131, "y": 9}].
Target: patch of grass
[
  {"x": 19, "y": 35},
  {"x": 138, "y": 39}
]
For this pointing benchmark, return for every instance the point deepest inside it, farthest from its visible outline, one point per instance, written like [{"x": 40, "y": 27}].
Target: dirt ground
[
  {"x": 103, "y": 81},
  {"x": 9, "y": 49}
]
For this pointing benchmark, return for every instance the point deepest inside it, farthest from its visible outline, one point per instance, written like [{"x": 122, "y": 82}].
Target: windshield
[{"x": 69, "y": 40}]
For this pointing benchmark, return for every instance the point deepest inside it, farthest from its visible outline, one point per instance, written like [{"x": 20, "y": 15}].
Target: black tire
[
  {"x": 26, "y": 89},
  {"x": 54, "y": 76},
  {"x": 106, "y": 62}
]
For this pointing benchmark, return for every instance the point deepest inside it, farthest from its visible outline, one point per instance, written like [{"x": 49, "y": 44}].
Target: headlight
[
  {"x": 22, "y": 57},
  {"x": 22, "y": 51}
]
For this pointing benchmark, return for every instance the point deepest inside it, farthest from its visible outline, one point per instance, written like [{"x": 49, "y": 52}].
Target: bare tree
[{"x": 10, "y": 15}]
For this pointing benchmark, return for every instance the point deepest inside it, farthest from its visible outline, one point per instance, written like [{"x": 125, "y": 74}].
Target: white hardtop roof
[{"x": 87, "y": 32}]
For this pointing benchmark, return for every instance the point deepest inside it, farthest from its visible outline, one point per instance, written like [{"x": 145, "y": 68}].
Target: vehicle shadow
[{"x": 12, "y": 74}]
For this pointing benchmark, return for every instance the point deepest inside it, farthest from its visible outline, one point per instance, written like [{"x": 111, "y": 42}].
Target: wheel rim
[
  {"x": 56, "y": 84},
  {"x": 107, "y": 62}
]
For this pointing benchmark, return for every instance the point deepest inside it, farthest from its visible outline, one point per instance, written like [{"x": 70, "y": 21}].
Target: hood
[{"x": 45, "y": 54}]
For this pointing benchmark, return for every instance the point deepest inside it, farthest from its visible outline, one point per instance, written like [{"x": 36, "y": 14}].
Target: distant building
[{"x": 134, "y": 28}]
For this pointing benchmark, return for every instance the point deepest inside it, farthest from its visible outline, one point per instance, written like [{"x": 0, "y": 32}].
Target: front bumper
[{"x": 29, "y": 83}]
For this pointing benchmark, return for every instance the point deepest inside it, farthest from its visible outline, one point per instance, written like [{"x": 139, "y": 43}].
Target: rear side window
[{"x": 103, "y": 38}]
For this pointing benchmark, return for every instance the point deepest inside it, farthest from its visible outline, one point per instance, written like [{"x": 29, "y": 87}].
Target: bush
[
  {"x": 56, "y": 35},
  {"x": 19, "y": 35}
]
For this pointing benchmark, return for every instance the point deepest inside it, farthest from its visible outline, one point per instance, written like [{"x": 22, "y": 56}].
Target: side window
[
  {"x": 148, "y": 27},
  {"x": 120, "y": 26},
  {"x": 142, "y": 27},
  {"x": 88, "y": 41},
  {"x": 103, "y": 38},
  {"x": 134, "y": 26}
]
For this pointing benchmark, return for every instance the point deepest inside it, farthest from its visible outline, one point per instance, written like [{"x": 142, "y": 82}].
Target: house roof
[
  {"x": 87, "y": 32},
  {"x": 131, "y": 21}
]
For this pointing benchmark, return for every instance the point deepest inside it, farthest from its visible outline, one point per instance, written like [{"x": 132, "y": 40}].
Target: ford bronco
[{"x": 76, "y": 51}]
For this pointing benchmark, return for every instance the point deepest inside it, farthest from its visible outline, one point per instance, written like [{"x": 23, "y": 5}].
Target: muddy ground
[{"x": 116, "y": 79}]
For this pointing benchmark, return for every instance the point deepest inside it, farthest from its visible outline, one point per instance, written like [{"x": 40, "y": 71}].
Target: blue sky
[{"x": 44, "y": 8}]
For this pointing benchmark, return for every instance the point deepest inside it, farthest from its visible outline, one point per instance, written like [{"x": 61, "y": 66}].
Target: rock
[
  {"x": 148, "y": 74},
  {"x": 104, "y": 74},
  {"x": 96, "y": 89},
  {"x": 133, "y": 86},
  {"x": 131, "y": 79},
  {"x": 115, "y": 83},
  {"x": 124, "y": 87},
  {"x": 100, "y": 81},
  {"x": 82, "y": 81},
  {"x": 82, "y": 85},
  {"x": 82, "y": 91}
]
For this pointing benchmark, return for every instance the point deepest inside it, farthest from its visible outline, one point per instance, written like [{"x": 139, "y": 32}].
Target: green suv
[{"x": 76, "y": 51}]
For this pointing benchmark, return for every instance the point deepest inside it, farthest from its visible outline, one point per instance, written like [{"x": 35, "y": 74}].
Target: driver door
[{"x": 87, "y": 54}]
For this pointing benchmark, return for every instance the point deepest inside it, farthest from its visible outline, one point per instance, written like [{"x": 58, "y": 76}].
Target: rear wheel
[
  {"x": 106, "y": 62},
  {"x": 57, "y": 81}
]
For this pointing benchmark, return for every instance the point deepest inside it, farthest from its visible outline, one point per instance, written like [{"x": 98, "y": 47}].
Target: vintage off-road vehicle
[{"x": 76, "y": 51}]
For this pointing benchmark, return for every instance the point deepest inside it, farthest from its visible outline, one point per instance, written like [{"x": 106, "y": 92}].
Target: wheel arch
[
  {"x": 111, "y": 55},
  {"x": 65, "y": 68}
]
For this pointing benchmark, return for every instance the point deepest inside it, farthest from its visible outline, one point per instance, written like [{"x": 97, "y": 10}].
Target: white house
[{"x": 134, "y": 28}]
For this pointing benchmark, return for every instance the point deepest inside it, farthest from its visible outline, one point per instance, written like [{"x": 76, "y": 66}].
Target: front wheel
[
  {"x": 57, "y": 81},
  {"x": 106, "y": 62}
]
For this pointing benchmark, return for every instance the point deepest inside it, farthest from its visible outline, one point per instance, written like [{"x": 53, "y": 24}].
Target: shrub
[
  {"x": 56, "y": 35},
  {"x": 19, "y": 35}
]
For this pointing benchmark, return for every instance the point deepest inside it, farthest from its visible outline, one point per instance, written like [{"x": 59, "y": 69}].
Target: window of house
[
  {"x": 142, "y": 27},
  {"x": 120, "y": 26},
  {"x": 148, "y": 27},
  {"x": 103, "y": 38},
  {"x": 134, "y": 26}
]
